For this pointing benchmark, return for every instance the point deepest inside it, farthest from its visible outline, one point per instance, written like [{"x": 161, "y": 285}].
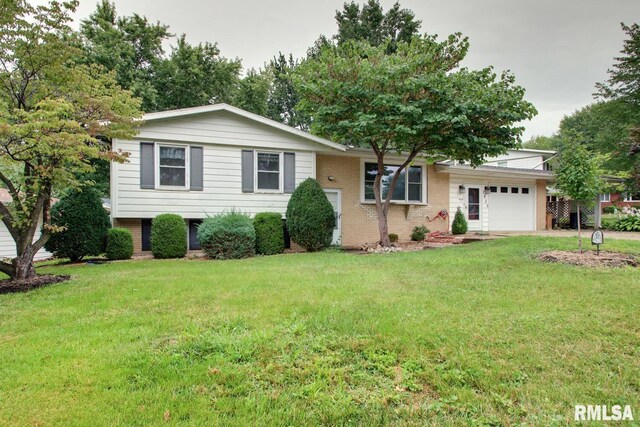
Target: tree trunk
[
  {"x": 579, "y": 231},
  {"x": 23, "y": 265}
]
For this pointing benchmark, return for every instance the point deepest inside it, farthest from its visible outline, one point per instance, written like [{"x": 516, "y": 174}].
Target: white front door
[
  {"x": 334, "y": 197},
  {"x": 474, "y": 207}
]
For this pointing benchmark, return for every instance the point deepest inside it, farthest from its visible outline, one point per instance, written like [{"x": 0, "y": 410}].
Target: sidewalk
[{"x": 619, "y": 235}]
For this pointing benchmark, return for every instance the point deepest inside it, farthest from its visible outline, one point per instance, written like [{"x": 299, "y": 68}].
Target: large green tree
[
  {"x": 52, "y": 111},
  {"x": 623, "y": 86},
  {"x": 253, "y": 92},
  {"x": 371, "y": 24},
  {"x": 416, "y": 101},
  {"x": 283, "y": 97},
  {"x": 196, "y": 75},
  {"x": 129, "y": 45}
]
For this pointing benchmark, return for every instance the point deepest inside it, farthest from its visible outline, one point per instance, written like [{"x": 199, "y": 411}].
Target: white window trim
[
  {"x": 423, "y": 184},
  {"x": 187, "y": 178},
  {"x": 629, "y": 198},
  {"x": 280, "y": 172},
  {"x": 605, "y": 197}
]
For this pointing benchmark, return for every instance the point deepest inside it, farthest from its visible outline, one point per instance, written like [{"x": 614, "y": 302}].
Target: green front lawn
[{"x": 474, "y": 334}]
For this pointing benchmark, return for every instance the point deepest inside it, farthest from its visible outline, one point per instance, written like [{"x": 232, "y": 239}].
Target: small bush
[
  {"x": 459, "y": 224},
  {"x": 227, "y": 236},
  {"x": 310, "y": 216},
  {"x": 269, "y": 233},
  {"x": 168, "y": 236},
  {"x": 419, "y": 232},
  {"x": 609, "y": 209},
  {"x": 86, "y": 224},
  {"x": 628, "y": 223},
  {"x": 393, "y": 237},
  {"x": 119, "y": 244}
]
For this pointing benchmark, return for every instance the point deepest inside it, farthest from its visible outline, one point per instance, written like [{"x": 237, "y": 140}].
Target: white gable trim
[{"x": 161, "y": 115}]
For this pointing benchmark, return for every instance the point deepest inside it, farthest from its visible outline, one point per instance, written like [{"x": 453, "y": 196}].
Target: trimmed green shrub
[
  {"x": 168, "y": 236},
  {"x": 393, "y": 237},
  {"x": 628, "y": 223},
  {"x": 119, "y": 244},
  {"x": 269, "y": 233},
  {"x": 86, "y": 223},
  {"x": 459, "y": 224},
  {"x": 310, "y": 216},
  {"x": 419, "y": 232},
  {"x": 227, "y": 236},
  {"x": 609, "y": 209}
]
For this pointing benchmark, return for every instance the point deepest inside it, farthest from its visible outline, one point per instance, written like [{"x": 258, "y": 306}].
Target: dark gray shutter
[
  {"x": 147, "y": 172},
  {"x": 247, "y": 171},
  {"x": 195, "y": 170},
  {"x": 289, "y": 172}
]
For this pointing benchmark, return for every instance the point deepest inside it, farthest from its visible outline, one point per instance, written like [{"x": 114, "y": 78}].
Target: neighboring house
[
  {"x": 620, "y": 200},
  {"x": 206, "y": 160},
  {"x": 7, "y": 244}
]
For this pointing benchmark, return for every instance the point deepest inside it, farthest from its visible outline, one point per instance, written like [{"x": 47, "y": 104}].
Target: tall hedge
[
  {"x": 86, "y": 224},
  {"x": 310, "y": 216},
  {"x": 459, "y": 224},
  {"x": 227, "y": 236},
  {"x": 119, "y": 244},
  {"x": 269, "y": 233},
  {"x": 168, "y": 236}
]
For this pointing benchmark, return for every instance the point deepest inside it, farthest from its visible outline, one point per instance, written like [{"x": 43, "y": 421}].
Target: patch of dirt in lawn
[
  {"x": 9, "y": 286},
  {"x": 590, "y": 259}
]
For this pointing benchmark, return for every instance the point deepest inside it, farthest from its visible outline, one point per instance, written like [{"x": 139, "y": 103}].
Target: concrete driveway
[{"x": 620, "y": 235}]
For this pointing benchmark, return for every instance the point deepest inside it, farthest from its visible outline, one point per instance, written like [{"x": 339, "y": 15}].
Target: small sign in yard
[{"x": 597, "y": 238}]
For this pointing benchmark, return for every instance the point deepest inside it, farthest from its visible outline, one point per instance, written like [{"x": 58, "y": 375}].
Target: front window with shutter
[
  {"x": 172, "y": 166},
  {"x": 268, "y": 171}
]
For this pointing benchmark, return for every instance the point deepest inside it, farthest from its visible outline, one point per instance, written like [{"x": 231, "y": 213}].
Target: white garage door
[{"x": 511, "y": 208}]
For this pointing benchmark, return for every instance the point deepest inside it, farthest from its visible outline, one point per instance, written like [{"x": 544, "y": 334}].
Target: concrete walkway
[{"x": 619, "y": 235}]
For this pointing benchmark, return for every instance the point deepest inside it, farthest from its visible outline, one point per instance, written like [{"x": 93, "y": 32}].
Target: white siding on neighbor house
[
  {"x": 458, "y": 200},
  {"x": 8, "y": 246},
  {"x": 221, "y": 179},
  {"x": 518, "y": 159}
]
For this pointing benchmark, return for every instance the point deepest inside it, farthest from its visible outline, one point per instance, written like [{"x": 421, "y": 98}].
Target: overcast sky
[{"x": 557, "y": 49}]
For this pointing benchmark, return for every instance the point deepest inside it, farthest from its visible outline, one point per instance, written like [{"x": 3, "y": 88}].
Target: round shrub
[
  {"x": 419, "y": 232},
  {"x": 119, "y": 244},
  {"x": 459, "y": 224},
  {"x": 86, "y": 224},
  {"x": 269, "y": 233},
  {"x": 168, "y": 236},
  {"x": 609, "y": 209},
  {"x": 227, "y": 236},
  {"x": 310, "y": 216},
  {"x": 393, "y": 237}
]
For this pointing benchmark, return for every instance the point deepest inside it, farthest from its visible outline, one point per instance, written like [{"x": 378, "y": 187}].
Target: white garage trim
[{"x": 459, "y": 197}]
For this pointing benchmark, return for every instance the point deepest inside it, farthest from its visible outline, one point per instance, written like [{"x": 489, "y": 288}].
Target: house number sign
[{"x": 597, "y": 238}]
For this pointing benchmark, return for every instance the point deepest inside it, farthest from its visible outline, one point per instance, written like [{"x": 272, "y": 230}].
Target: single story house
[
  {"x": 620, "y": 200},
  {"x": 205, "y": 160}
]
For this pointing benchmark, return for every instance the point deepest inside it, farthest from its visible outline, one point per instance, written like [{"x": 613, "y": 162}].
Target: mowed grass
[{"x": 478, "y": 334}]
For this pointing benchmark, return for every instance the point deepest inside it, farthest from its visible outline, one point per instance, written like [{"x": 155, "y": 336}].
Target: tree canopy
[
  {"x": 52, "y": 111},
  {"x": 415, "y": 100}
]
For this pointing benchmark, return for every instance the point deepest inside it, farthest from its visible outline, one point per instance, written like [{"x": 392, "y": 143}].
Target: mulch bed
[
  {"x": 8, "y": 286},
  {"x": 590, "y": 259}
]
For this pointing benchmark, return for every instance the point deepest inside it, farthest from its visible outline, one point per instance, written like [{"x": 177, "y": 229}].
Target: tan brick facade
[
  {"x": 541, "y": 204},
  {"x": 135, "y": 227},
  {"x": 359, "y": 220}
]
